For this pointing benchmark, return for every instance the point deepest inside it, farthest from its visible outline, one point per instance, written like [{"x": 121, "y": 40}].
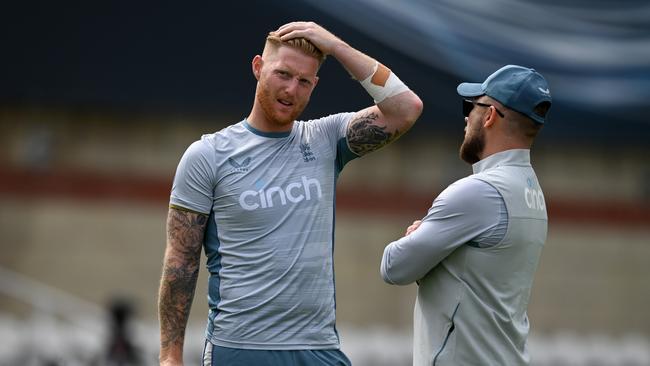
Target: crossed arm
[
  {"x": 185, "y": 231},
  {"x": 375, "y": 126}
]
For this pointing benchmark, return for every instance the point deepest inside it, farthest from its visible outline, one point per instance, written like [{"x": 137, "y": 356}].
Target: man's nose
[{"x": 292, "y": 86}]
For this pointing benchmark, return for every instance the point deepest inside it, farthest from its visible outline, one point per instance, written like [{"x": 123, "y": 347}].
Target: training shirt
[
  {"x": 468, "y": 212},
  {"x": 475, "y": 269},
  {"x": 270, "y": 235}
]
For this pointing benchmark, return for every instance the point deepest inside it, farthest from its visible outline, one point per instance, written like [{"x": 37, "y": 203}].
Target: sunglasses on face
[{"x": 469, "y": 104}]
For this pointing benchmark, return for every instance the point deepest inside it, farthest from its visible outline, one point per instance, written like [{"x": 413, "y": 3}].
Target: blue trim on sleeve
[
  {"x": 343, "y": 154},
  {"x": 211, "y": 247},
  {"x": 333, "y": 235}
]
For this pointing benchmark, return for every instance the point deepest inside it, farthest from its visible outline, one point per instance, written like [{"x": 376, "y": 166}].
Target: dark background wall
[{"x": 192, "y": 58}]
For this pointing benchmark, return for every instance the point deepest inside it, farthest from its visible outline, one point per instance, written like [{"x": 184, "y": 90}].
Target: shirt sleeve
[
  {"x": 335, "y": 127},
  {"x": 193, "y": 183},
  {"x": 468, "y": 212}
]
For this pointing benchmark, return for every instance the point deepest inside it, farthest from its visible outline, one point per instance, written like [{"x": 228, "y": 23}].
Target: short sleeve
[
  {"x": 193, "y": 186},
  {"x": 335, "y": 127}
]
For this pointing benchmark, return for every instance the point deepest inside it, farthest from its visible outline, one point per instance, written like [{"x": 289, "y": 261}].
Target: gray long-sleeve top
[{"x": 468, "y": 212}]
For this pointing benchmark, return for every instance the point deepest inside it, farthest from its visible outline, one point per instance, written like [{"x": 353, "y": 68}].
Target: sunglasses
[{"x": 469, "y": 104}]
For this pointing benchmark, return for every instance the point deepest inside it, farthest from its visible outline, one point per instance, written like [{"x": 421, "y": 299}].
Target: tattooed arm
[
  {"x": 185, "y": 231},
  {"x": 376, "y": 126},
  {"x": 370, "y": 129}
]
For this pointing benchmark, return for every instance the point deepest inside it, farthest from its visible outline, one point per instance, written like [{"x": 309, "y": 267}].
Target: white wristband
[{"x": 383, "y": 83}]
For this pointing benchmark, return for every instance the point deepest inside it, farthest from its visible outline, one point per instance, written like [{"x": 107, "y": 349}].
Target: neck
[
  {"x": 260, "y": 121},
  {"x": 499, "y": 139},
  {"x": 493, "y": 148}
]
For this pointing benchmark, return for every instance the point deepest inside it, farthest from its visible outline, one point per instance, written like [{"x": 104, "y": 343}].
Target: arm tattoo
[
  {"x": 185, "y": 231},
  {"x": 364, "y": 136}
]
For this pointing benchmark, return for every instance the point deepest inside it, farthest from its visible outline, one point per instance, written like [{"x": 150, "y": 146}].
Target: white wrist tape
[{"x": 383, "y": 83}]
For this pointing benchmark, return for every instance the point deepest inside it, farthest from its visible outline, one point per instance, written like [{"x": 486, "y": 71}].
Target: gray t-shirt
[{"x": 270, "y": 234}]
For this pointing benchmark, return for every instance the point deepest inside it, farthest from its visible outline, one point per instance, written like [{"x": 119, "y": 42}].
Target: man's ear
[
  {"x": 257, "y": 66},
  {"x": 491, "y": 118}
]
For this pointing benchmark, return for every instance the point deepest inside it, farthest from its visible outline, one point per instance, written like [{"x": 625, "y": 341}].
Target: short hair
[
  {"x": 525, "y": 126},
  {"x": 520, "y": 124},
  {"x": 301, "y": 44}
]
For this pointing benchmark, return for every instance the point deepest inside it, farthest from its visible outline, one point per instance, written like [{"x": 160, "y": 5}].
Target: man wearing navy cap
[{"x": 475, "y": 253}]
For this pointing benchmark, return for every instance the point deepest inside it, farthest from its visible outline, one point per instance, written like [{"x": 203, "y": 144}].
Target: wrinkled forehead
[{"x": 292, "y": 59}]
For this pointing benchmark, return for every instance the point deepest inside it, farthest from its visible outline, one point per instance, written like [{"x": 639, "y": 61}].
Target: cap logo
[{"x": 545, "y": 91}]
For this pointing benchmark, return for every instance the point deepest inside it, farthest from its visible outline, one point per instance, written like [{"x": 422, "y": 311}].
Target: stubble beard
[
  {"x": 472, "y": 147},
  {"x": 268, "y": 101}
]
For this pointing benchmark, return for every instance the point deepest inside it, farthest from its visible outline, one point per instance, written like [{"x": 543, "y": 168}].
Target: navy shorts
[{"x": 224, "y": 356}]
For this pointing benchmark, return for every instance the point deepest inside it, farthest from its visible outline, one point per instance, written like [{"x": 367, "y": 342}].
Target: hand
[
  {"x": 171, "y": 363},
  {"x": 319, "y": 36},
  {"x": 174, "y": 359},
  {"x": 414, "y": 225}
]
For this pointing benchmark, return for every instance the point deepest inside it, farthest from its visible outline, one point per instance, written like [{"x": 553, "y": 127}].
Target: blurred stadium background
[{"x": 98, "y": 100}]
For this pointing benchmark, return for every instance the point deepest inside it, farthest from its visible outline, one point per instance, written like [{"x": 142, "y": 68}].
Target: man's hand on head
[{"x": 314, "y": 33}]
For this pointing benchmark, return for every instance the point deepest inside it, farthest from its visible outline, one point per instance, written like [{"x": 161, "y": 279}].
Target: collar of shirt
[{"x": 508, "y": 157}]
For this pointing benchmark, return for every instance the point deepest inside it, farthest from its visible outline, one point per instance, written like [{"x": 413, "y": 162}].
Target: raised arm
[
  {"x": 185, "y": 231},
  {"x": 396, "y": 109}
]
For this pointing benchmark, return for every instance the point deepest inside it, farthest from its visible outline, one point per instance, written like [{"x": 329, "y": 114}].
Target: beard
[
  {"x": 472, "y": 147},
  {"x": 268, "y": 102}
]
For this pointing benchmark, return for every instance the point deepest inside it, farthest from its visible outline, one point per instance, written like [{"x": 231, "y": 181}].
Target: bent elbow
[
  {"x": 417, "y": 106},
  {"x": 394, "y": 277},
  {"x": 384, "y": 276},
  {"x": 412, "y": 109}
]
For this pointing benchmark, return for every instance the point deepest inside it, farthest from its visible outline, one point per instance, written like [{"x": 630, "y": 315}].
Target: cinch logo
[
  {"x": 534, "y": 197},
  {"x": 294, "y": 192}
]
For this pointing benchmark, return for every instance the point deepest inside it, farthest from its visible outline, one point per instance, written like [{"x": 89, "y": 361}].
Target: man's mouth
[{"x": 285, "y": 102}]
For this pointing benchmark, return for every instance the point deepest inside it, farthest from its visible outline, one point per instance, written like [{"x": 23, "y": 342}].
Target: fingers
[
  {"x": 295, "y": 25},
  {"x": 319, "y": 36},
  {"x": 283, "y": 30},
  {"x": 294, "y": 30},
  {"x": 413, "y": 227}
]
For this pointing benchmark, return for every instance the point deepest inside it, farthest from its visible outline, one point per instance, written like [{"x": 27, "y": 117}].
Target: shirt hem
[{"x": 266, "y": 346}]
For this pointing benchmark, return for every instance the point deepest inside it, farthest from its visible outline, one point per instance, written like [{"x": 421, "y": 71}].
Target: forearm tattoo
[
  {"x": 185, "y": 231},
  {"x": 365, "y": 136}
]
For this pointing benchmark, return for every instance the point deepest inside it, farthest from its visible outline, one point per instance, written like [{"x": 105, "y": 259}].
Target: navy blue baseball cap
[{"x": 516, "y": 87}]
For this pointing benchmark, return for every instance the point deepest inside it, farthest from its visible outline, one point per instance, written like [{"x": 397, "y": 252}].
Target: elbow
[
  {"x": 413, "y": 107},
  {"x": 395, "y": 279},
  {"x": 392, "y": 275},
  {"x": 417, "y": 107},
  {"x": 385, "y": 277},
  {"x": 402, "y": 110}
]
